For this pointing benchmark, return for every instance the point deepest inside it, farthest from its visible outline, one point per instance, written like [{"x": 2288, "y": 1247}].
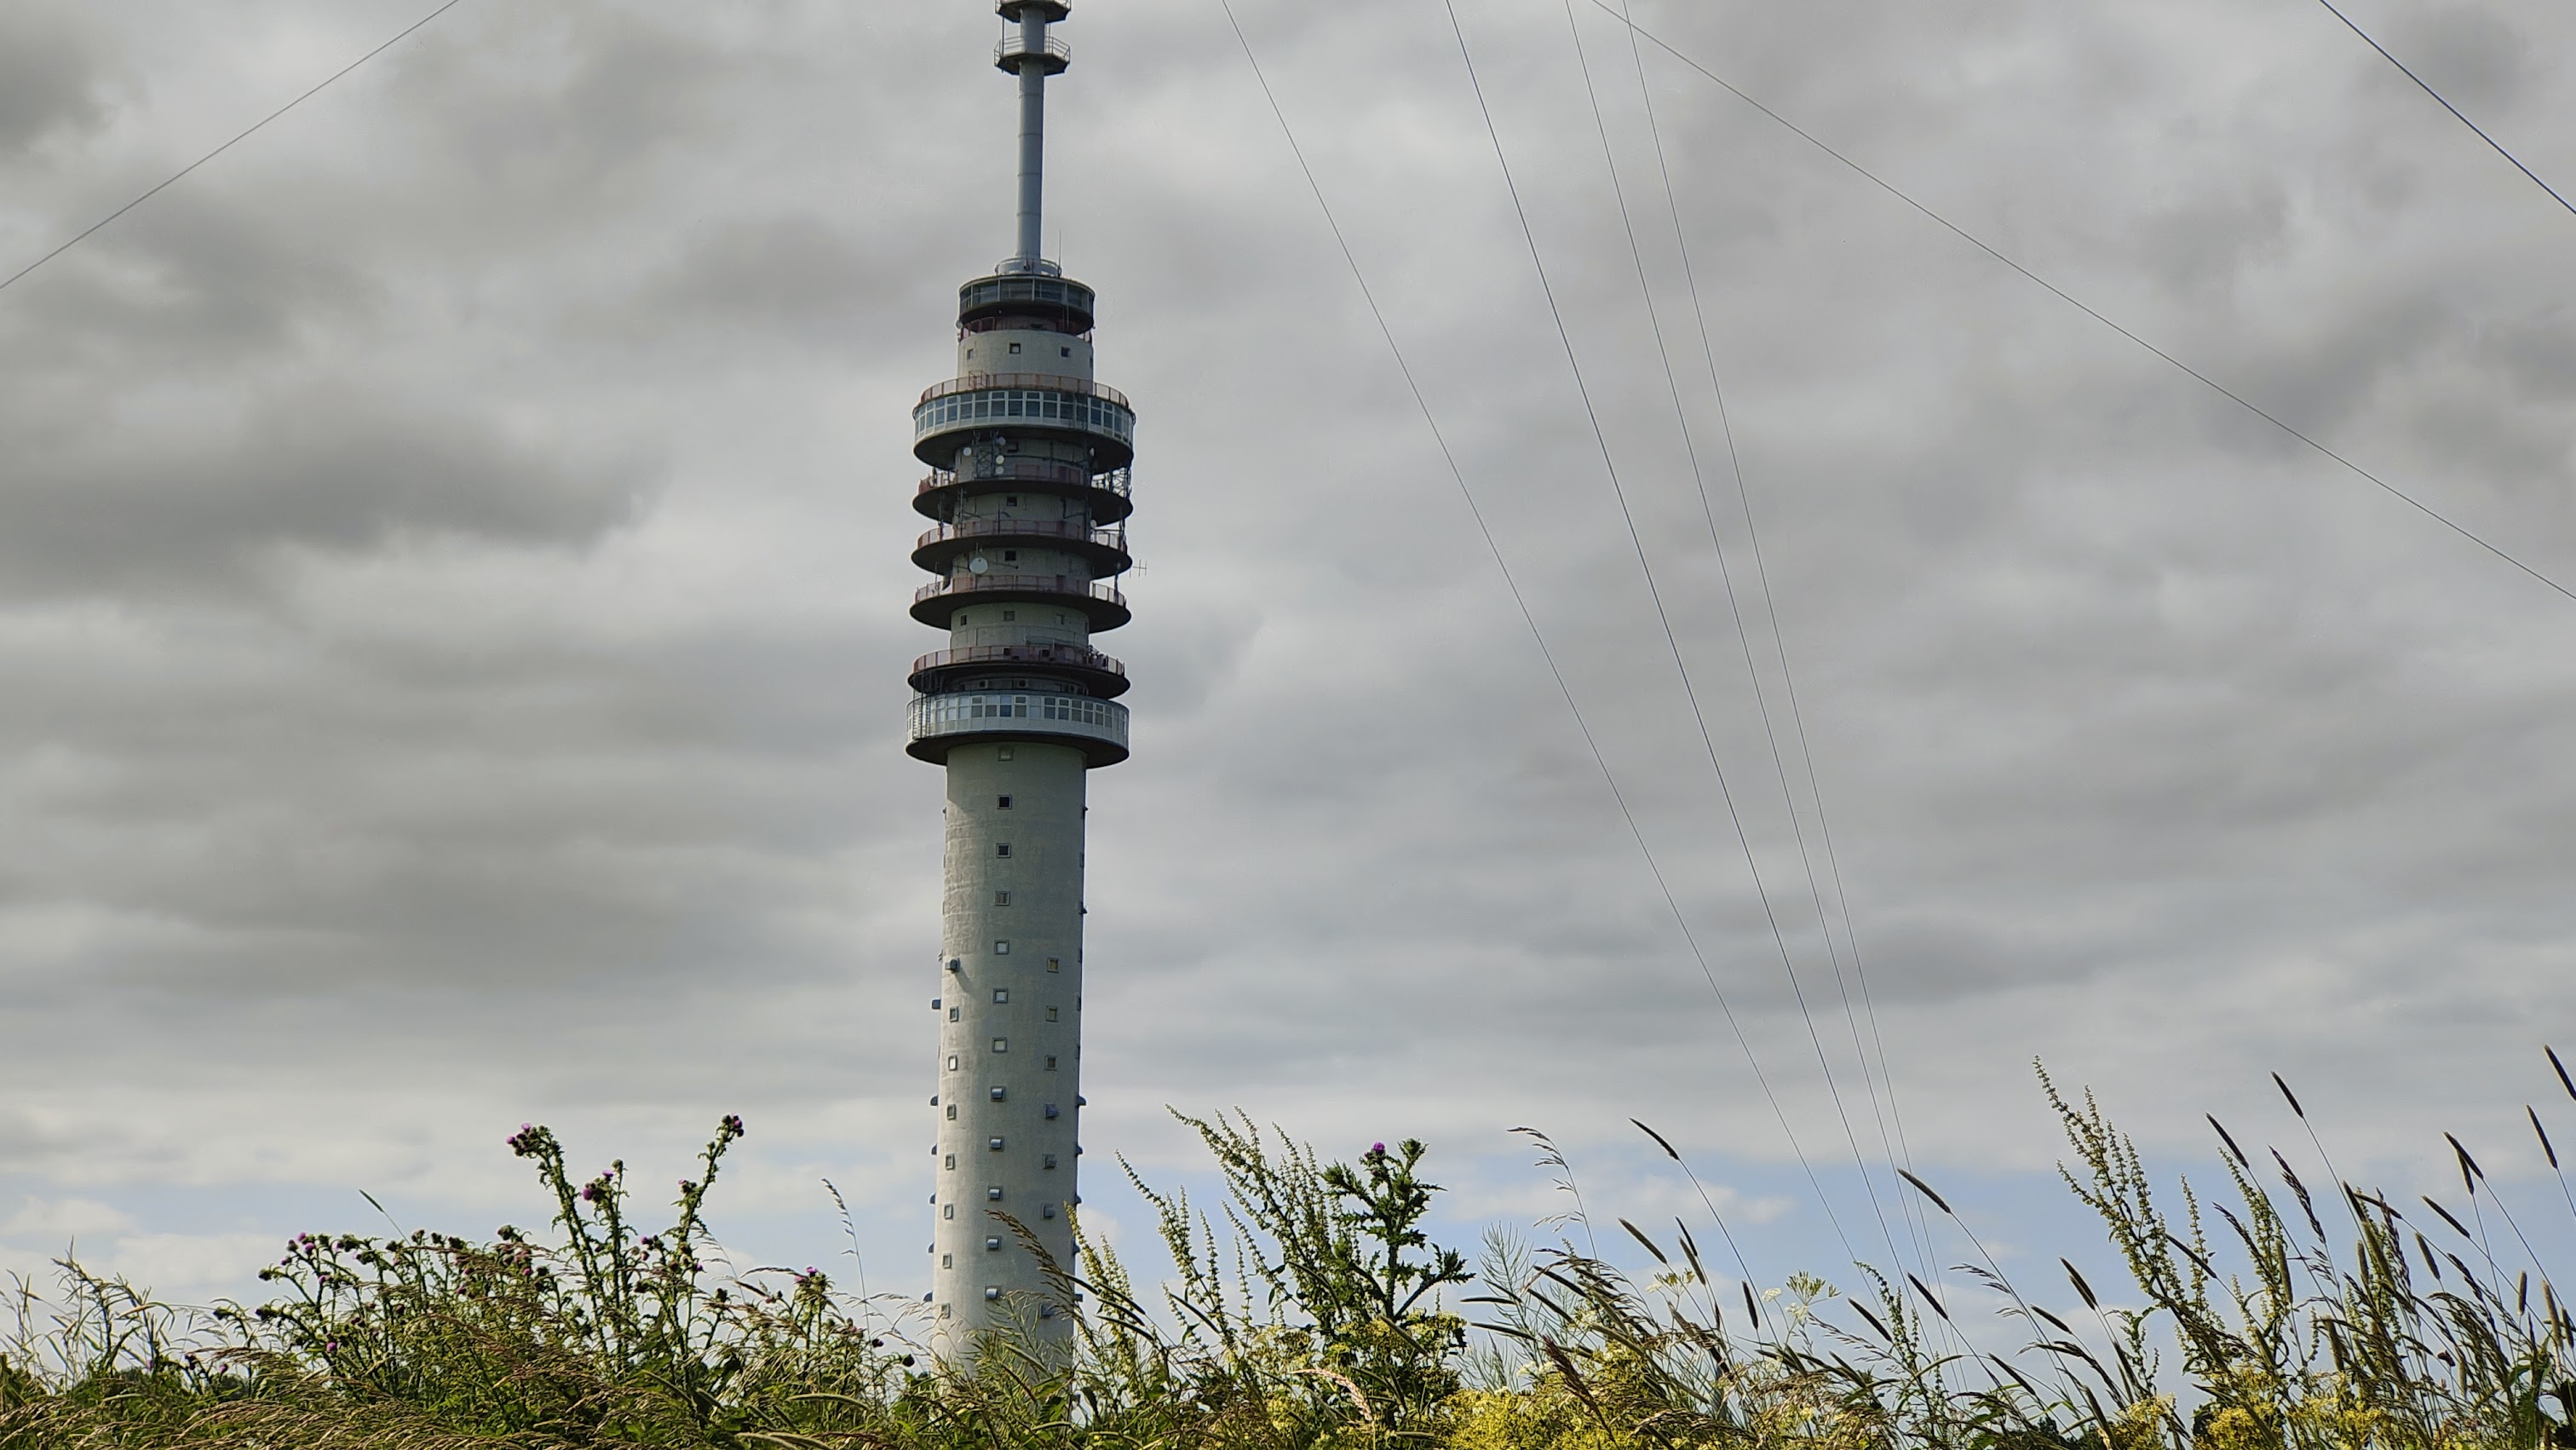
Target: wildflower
[{"x": 1377, "y": 1150}]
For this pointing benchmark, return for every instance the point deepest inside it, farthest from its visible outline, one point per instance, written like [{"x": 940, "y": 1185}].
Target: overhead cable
[
  {"x": 2204, "y": 379},
  {"x": 96, "y": 226},
  {"x": 2420, "y": 84},
  {"x": 1538, "y": 636}
]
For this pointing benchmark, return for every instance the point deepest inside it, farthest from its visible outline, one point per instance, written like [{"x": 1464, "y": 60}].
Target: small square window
[
  {"x": 1050, "y": 1160},
  {"x": 1001, "y": 948},
  {"x": 1001, "y": 898},
  {"x": 1001, "y": 1044},
  {"x": 1002, "y": 849},
  {"x": 1050, "y": 1112},
  {"x": 993, "y": 1194},
  {"x": 995, "y": 1145},
  {"x": 948, "y": 1261},
  {"x": 1002, "y": 752},
  {"x": 949, "y": 1162},
  {"x": 1054, "y": 964},
  {"x": 944, "y": 1308},
  {"x": 1062, "y": 351},
  {"x": 1011, "y": 500},
  {"x": 1001, "y": 803},
  {"x": 1010, "y": 614},
  {"x": 952, "y": 1062},
  {"x": 1010, "y": 556},
  {"x": 1050, "y": 1063},
  {"x": 993, "y": 1244},
  {"x": 952, "y": 1112},
  {"x": 952, "y": 1014},
  {"x": 992, "y": 1291},
  {"x": 1015, "y": 347},
  {"x": 1001, "y": 994},
  {"x": 947, "y": 1210},
  {"x": 1051, "y": 1014},
  {"x": 998, "y": 1093},
  {"x": 1046, "y": 1210}
]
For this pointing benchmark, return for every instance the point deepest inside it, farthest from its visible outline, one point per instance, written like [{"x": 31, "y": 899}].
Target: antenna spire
[{"x": 1033, "y": 55}]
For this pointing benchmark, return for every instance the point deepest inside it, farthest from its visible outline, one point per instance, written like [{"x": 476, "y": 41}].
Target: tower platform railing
[{"x": 1105, "y": 605}]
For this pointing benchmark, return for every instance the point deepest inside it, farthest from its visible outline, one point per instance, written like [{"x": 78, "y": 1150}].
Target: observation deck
[
  {"x": 1074, "y": 410},
  {"x": 949, "y": 669},
  {"x": 1105, "y": 550},
  {"x": 942, "y": 722},
  {"x": 1063, "y": 303},
  {"x": 1104, "y": 494},
  {"x": 938, "y": 599}
]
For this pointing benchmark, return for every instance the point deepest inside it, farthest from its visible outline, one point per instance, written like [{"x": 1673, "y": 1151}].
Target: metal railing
[
  {"x": 1013, "y": 46},
  {"x": 1079, "y": 532},
  {"x": 1019, "y": 584},
  {"x": 1047, "y": 382},
  {"x": 1072, "y": 655}
]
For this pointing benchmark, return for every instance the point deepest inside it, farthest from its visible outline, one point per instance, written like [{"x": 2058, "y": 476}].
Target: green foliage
[{"x": 1314, "y": 1312}]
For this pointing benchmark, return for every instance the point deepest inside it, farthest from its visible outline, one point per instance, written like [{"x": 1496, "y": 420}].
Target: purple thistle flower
[{"x": 1376, "y": 1149}]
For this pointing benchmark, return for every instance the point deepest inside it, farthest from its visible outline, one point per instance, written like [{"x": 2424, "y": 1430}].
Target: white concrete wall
[
  {"x": 1038, "y": 1028},
  {"x": 1039, "y": 352}
]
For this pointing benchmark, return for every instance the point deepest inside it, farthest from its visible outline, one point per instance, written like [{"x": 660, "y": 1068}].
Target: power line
[
  {"x": 255, "y": 126},
  {"x": 2492, "y": 143},
  {"x": 1690, "y": 449},
  {"x": 1899, "y": 1151},
  {"x": 1537, "y": 635},
  {"x": 2204, "y": 379}
]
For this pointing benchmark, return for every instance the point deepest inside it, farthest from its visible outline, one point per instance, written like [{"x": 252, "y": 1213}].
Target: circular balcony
[
  {"x": 1105, "y": 550},
  {"x": 1052, "y": 54},
  {"x": 950, "y": 669},
  {"x": 1065, "y": 303},
  {"x": 942, "y": 722},
  {"x": 939, "y": 599},
  {"x": 1022, "y": 405},
  {"x": 1105, "y": 495}
]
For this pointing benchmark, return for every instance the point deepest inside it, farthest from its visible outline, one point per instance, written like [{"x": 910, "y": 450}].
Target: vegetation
[{"x": 1313, "y": 1311}]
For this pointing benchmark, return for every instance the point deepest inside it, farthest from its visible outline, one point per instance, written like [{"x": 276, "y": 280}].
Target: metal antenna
[{"x": 1034, "y": 55}]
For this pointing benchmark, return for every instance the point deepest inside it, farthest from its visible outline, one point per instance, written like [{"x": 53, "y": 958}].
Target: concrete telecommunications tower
[{"x": 1028, "y": 490}]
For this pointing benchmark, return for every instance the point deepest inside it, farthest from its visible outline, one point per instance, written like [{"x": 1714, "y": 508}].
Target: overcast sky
[{"x": 452, "y": 583}]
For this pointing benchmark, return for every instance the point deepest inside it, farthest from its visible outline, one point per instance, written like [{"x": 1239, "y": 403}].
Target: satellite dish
[{"x": 977, "y": 565}]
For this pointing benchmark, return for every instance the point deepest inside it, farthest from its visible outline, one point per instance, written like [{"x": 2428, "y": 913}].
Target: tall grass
[{"x": 1311, "y": 1309}]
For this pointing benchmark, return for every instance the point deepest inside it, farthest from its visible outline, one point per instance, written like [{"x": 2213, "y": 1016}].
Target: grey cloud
[
  {"x": 220, "y": 504},
  {"x": 452, "y": 568},
  {"x": 51, "y": 76}
]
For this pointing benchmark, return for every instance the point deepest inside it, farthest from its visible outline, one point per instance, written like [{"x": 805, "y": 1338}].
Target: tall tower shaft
[{"x": 1028, "y": 491}]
